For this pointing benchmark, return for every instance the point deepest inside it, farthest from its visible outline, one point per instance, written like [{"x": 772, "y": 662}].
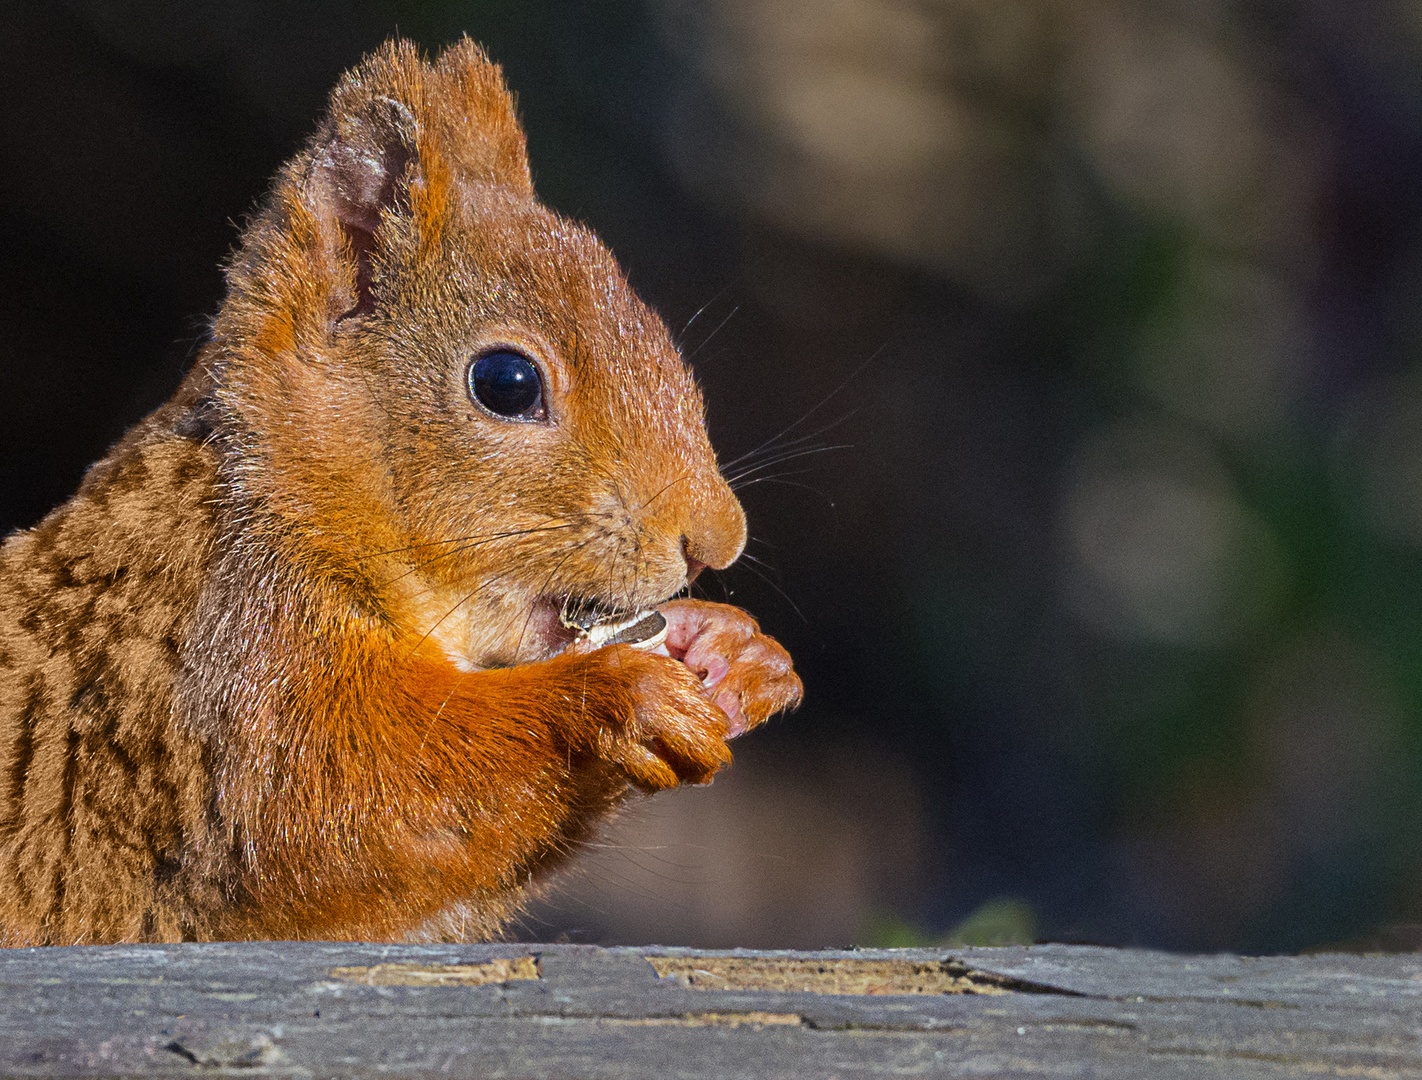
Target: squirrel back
[{"x": 297, "y": 659}]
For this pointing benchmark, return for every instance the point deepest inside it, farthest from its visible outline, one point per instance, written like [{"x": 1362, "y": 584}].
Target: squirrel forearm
[{"x": 398, "y": 786}]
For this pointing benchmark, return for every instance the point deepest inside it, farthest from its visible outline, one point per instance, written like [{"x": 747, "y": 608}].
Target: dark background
[{"x": 1107, "y": 587}]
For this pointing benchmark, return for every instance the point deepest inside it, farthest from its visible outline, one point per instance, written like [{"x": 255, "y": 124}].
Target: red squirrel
[{"x": 371, "y": 623}]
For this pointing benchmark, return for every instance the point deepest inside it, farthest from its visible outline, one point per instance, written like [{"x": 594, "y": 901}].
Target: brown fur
[{"x": 285, "y": 666}]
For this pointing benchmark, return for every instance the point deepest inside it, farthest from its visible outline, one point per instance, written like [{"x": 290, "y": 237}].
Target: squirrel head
[{"x": 444, "y": 398}]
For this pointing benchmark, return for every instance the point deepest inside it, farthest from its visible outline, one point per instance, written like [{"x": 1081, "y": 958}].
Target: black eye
[{"x": 507, "y": 384}]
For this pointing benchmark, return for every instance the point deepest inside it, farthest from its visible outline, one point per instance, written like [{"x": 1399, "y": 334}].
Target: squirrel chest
[{"x": 374, "y": 621}]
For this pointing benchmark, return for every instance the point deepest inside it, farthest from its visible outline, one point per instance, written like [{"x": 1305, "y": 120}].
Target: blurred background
[{"x": 1101, "y": 317}]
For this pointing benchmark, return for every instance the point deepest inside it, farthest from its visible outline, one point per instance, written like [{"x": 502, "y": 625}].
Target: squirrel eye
[{"x": 507, "y": 384}]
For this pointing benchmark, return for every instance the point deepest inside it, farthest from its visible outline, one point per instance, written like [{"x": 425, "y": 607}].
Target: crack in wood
[
  {"x": 707, "y": 1019},
  {"x": 494, "y": 971},
  {"x": 251, "y": 1054},
  {"x": 840, "y": 976}
]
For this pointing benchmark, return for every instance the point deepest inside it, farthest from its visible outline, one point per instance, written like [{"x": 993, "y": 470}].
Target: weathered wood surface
[{"x": 523, "y": 1011}]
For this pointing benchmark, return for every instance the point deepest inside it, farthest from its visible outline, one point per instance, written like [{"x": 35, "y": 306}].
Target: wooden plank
[{"x": 524, "y": 1011}]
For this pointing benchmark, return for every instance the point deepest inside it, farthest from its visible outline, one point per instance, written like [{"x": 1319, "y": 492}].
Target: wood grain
[{"x": 304, "y": 1009}]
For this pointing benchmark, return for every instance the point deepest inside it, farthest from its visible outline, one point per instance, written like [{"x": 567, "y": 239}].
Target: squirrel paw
[
  {"x": 675, "y": 735},
  {"x": 715, "y": 677},
  {"x": 747, "y": 673}
]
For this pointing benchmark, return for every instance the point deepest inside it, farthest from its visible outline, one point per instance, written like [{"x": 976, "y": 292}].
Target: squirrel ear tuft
[
  {"x": 478, "y": 119},
  {"x": 359, "y": 170}
]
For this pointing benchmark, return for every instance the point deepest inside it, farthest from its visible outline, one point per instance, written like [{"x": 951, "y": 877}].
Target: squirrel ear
[
  {"x": 400, "y": 136},
  {"x": 361, "y": 169}
]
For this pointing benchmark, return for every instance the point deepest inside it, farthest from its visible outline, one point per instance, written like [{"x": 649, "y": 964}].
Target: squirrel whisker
[
  {"x": 813, "y": 409},
  {"x": 477, "y": 537},
  {"x": 782, "y": 459},
  {"x": 689, "y": 322},
  {"x": 680, "y": 479},
  {"x": 707, "y": 339},
  {"x": 774, "y": 585}
]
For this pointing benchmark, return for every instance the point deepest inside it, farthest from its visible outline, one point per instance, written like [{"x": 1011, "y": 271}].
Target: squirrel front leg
[{"x": 411, "y": 785}]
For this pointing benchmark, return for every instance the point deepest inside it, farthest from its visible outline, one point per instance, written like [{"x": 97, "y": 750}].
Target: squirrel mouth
[
  {"x": 557, "y": 623},
  {"x": 599, "y": 624}
]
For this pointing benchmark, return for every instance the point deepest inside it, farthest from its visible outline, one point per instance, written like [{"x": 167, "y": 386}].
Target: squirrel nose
[
  {"x": 694, "y": 565},
  {"x": 717, "y": 535}
]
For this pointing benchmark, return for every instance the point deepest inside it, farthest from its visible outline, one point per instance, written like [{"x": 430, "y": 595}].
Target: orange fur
[{"x": 287, "y": 664}]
